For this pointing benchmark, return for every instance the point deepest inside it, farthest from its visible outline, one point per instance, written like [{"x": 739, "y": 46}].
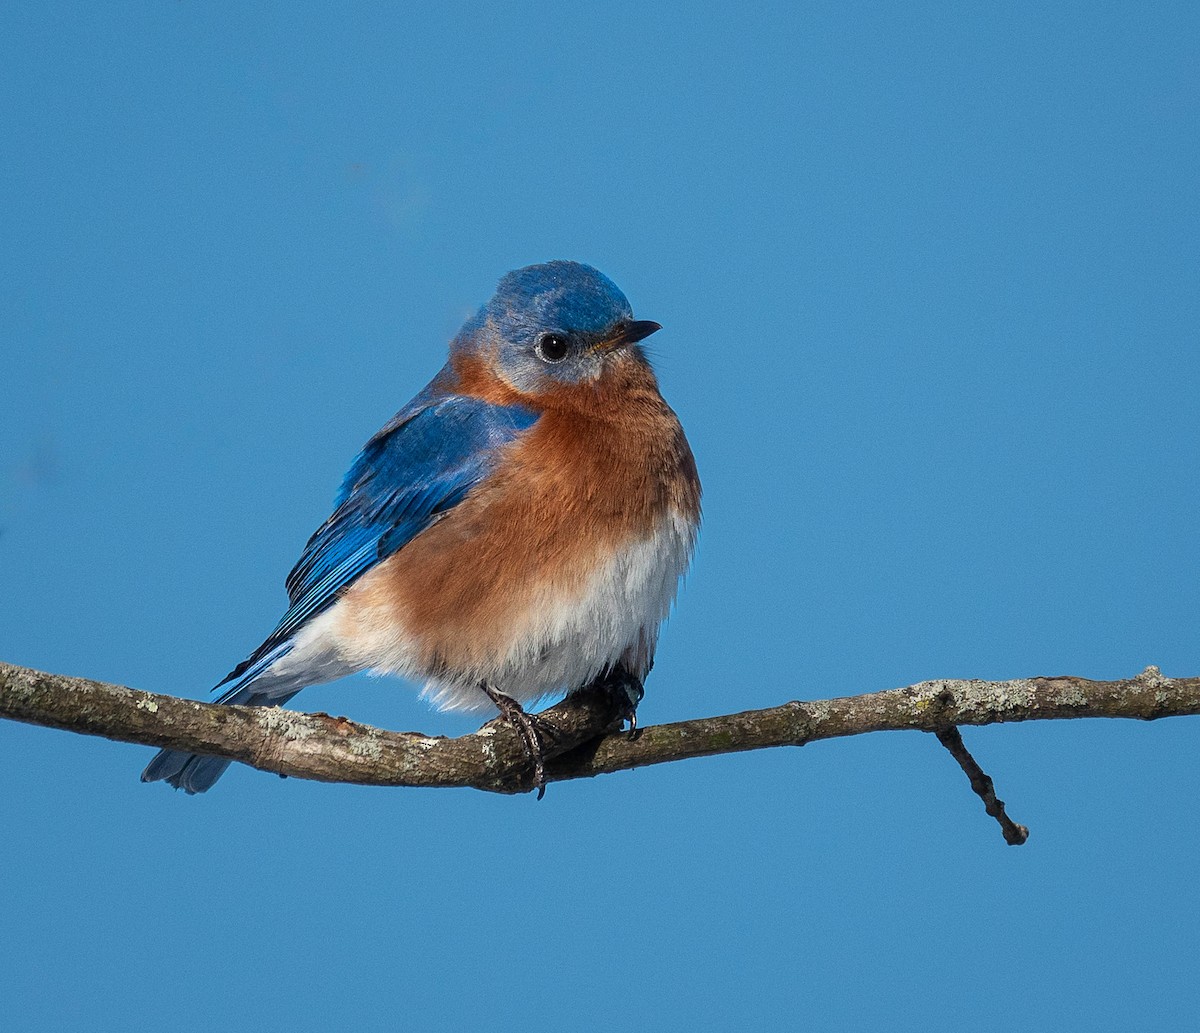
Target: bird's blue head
[{"x": 553, "y": 324}]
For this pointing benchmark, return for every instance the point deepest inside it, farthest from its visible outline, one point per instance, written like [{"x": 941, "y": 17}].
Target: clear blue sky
[{"x": 930, "y": 282}]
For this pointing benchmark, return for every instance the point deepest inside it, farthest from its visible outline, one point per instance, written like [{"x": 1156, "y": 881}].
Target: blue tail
[
  {"x": 194, "y": 772},
  {"x": 253, "y": 686}
]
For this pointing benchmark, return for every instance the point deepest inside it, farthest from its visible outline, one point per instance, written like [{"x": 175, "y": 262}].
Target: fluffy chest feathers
[{"x": 563, "y": 561}]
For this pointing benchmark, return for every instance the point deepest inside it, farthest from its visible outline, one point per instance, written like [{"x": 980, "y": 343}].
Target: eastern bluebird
[{"x": 519, "y": 528}]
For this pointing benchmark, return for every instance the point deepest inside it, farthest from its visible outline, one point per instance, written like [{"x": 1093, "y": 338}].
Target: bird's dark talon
[
  {"x": 525, "y": 726},
  {"x": 634, "y": 731},
  {"x": 627, "y": 692}
]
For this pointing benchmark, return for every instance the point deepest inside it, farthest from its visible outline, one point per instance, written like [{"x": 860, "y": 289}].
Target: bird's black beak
[
  {"x": 638, "y": 330},
  {"x": 629, "y": 333}
]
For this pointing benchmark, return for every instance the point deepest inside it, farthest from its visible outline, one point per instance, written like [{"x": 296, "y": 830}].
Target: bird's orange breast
[{"x": 605, "y": 466}]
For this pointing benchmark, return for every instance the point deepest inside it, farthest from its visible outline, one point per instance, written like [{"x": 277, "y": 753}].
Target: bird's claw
[
  {"x": 525, "y": 725},
  {"x": 627, "y": 692}
]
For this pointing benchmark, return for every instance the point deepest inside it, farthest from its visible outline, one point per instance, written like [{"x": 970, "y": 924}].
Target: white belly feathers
[{"x": 560, "y": 637}]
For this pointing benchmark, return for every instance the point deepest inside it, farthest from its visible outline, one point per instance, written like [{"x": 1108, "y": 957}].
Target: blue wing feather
[{"x": 422, "y": 463}]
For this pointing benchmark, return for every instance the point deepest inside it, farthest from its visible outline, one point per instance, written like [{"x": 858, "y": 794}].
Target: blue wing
[{"x": 422, "y": 463}]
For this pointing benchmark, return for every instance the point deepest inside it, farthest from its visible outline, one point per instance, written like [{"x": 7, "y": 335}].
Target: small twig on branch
[
  {"x": 580, "y": 741},
  {"x": 981, "y": 782}
]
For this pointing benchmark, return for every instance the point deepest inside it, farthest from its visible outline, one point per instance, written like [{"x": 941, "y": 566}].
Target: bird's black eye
[{"x": 552, "y": 347}]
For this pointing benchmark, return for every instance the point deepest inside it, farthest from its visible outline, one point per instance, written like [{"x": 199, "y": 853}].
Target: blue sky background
[{"x": 929, "y": 276}]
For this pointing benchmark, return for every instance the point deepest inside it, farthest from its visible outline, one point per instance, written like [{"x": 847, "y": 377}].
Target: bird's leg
[
  {"x": 626, "y": 690},
  {"x": 526, "y": 727}
]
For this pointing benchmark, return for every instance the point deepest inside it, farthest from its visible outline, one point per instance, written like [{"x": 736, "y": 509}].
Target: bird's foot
[
  {"x": 526, "y": 727},
  {"x": 627, "y": 692}
]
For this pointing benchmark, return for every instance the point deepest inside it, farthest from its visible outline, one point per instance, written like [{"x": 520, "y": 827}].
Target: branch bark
[{"x": 580, "y": 733}]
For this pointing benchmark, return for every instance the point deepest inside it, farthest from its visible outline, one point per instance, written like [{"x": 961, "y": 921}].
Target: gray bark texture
[{"x": 581, "y": 734}]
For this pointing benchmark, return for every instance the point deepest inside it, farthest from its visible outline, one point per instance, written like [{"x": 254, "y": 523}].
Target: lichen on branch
[{"x": 581, "y": 734}]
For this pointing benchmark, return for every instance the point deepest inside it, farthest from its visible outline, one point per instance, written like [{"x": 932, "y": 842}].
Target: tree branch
[
  {"x": 580, "y": 733},
  {"x": 981, "y": 783}
]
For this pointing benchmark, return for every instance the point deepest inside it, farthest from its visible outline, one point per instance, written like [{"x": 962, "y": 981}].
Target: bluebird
[{"x": 518, "y": 529}]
